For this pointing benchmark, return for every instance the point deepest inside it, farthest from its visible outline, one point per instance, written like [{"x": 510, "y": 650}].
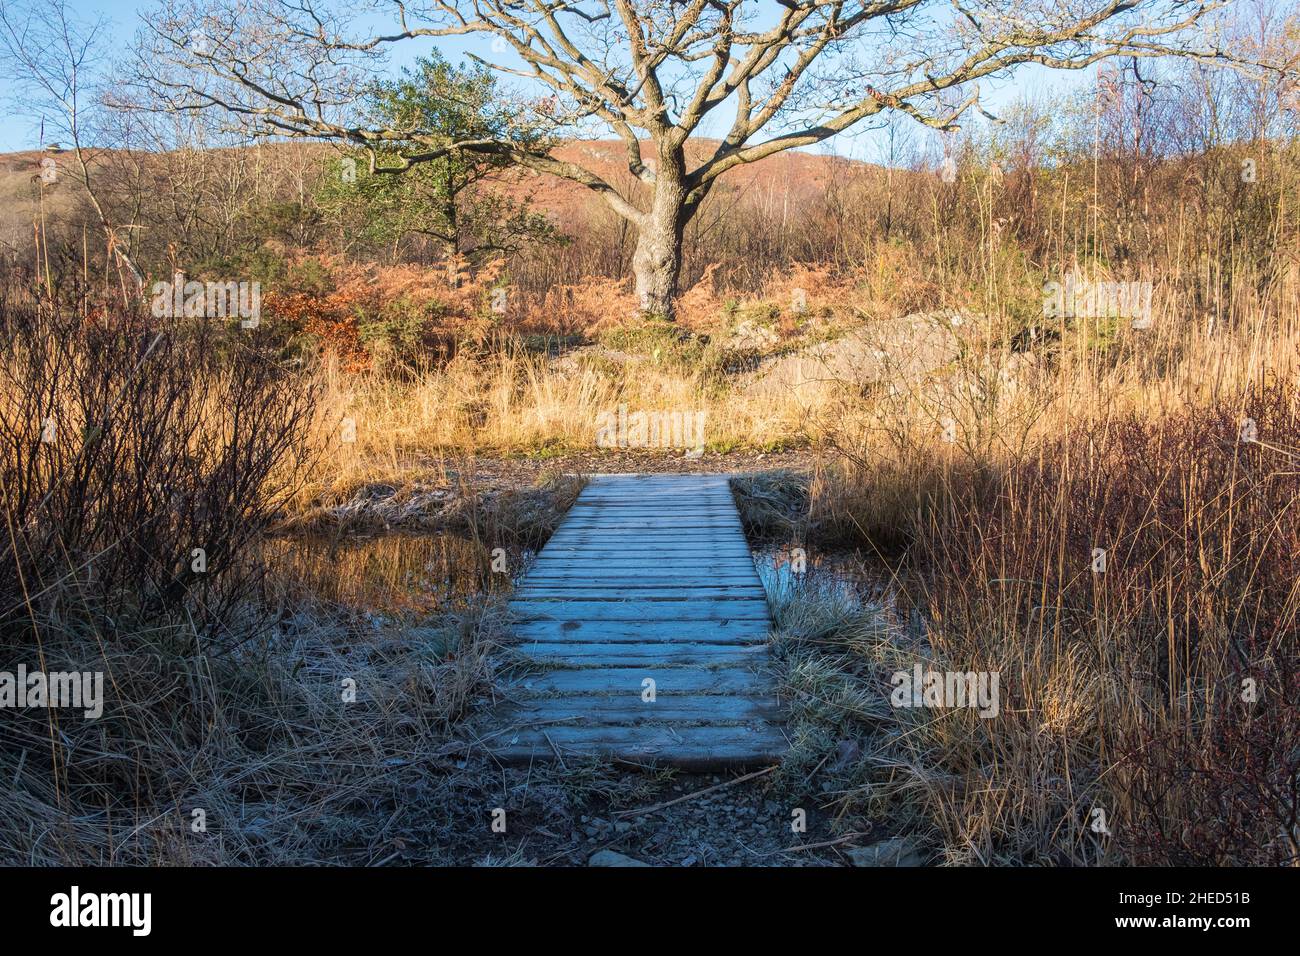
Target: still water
[{"x": 393, "y": 574}]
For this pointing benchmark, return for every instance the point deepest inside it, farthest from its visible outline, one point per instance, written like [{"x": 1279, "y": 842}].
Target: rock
[
  {"x": 750, "y": 335},
  {"x": 846, "y": 752},
  {"x": 610, "y": 858},
  {"x": 896, "y": 852},
  {"x": 899, "y": 351}
]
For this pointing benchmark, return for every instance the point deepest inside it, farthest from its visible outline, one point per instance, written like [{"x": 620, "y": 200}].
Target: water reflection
[
  {"x": 783, "y": 568},
  {"x": 849, "y": 573},
  {"x": 394, "y": 574}
]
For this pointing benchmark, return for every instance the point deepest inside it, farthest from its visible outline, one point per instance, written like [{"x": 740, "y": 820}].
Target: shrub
[{"x": 124, "y": 446}]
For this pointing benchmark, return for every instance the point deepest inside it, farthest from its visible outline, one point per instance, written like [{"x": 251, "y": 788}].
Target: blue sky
[{"x": 124, "y": 15}]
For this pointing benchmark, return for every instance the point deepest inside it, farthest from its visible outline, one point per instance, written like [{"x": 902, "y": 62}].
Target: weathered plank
[
  {"x": 689, "y": 747},
  {"x": 632, "y": 709},
  {"x": 738, "y": 631},
  {"x": 647, "y": 585},
  {"x": 619, "y": 681},
  {"x": 634, "y": 608},
  {"x": 611, "y": 653},
  {"x": 641, "y": 591}
]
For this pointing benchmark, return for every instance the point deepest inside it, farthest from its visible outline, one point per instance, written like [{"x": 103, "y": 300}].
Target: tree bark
[
  {"x": 657, "y": 260},
  {"x": 451, "y": 252},
  {"x": 451, "y": 238}
]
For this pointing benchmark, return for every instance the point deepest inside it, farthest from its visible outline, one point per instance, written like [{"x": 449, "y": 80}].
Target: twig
[
  {"x": 458, "y": 746},
  {"x": 558, "y": 756},
  {"x": 691, "y": 796},
  {"x": 822, "y": 845}
]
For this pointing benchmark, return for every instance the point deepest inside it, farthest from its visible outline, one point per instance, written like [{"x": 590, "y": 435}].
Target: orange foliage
[
  {"x": 592, "y": 303},
  {"x": 362, "y": 291},
  {"x": 698, "y": 308}
]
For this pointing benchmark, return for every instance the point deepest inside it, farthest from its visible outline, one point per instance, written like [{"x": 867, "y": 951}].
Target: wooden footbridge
[{"x": 648, "y": 624}]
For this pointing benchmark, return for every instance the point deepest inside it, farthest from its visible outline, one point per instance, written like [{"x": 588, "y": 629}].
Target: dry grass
[
  {"x": 992, "y": 472},
  {"x": 224, "y": 689},
  {"x": 1122, "y": 691},
  {"x": 260, "y": 741}
]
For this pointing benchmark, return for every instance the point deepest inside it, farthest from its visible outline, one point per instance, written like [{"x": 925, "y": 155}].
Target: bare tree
[
  {"x": 54, "y": 65},
  {"x": 775, "y": 76}
]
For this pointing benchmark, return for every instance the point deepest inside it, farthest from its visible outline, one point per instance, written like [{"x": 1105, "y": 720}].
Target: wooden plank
[
  {"x": 647, "y": 546},
  {"x": 633, "y": 586},
  {"x": 609, "y": 654},
  {"x": 688, "y": 748},
  {"x": 650, "y": 527},
  {"x": 644, "y": 546},
  {"x": 710, "y": 527},
  {"x": 665, "y": 573},
  {"x": 619, "y": 681},
  {"x": 630, "y": 709},
  {"x": 649, "y": 559},
  {"x": 620, "y": 486},
  {"x": 665, "y": 538},
  {"x": 719, "y": 512},
  {"x": 631, "y": 583},
  {"x": 664, "y": 512},
  {"x": 624, "y": 609},
  {"x": 659, "y": 524},
  {"x": 624, "y": 509},
  {"x": 616, "y": 536},
  {"x": 647, "y": 554},
  {"x": 699, "y": 502},
  {"x": 731, "y": 631},
  {"x": 650, "y": 524},
  {"x": 652, "y": 499},
  {"x": 565, "y": 569},
  {"x": 535, "y": 592},
  {"x": 575, "y": 604},
  {"x": 705, "y": 569}
]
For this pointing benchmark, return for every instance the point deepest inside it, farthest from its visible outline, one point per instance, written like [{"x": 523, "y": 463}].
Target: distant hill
[
  {"x": 792, "y": 175},
  {"x": 20, "y": 197}
]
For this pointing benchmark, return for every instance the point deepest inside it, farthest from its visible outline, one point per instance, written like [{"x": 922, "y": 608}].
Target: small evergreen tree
[{"x": 457, "y": 202}]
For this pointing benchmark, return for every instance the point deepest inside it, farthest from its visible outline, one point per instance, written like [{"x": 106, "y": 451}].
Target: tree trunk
[
  {"x": 657, "y": 261},
  {"x": 451, "y": 238}
]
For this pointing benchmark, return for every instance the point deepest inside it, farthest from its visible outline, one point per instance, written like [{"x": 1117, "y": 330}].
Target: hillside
[
  {"x": 788, "y": 177},
  {"x": 783, "y": 179}
]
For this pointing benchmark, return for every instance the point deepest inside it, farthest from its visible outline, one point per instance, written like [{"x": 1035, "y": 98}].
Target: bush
[{"x": 127, "y": 444}]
